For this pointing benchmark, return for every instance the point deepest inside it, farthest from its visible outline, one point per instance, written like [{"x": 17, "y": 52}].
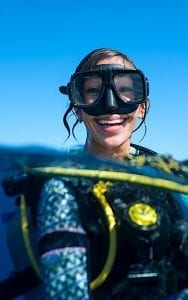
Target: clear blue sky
[{"x": 43, "y": 41}]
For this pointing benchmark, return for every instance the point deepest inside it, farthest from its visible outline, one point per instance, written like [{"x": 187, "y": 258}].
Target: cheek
[
  {"x": 138, "y": 113},
  {"x": 133, "y": 118},
  {"x": 88, "y": 120}
]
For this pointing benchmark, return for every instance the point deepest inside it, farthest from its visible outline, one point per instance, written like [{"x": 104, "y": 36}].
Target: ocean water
[{"x": 7, "y": 208}]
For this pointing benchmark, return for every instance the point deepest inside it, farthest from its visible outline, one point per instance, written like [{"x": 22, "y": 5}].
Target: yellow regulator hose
[{"x": 98, "y": 191}]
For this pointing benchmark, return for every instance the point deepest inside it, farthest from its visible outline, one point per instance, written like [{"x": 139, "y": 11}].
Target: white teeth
[{"x": 110, "y": 122}]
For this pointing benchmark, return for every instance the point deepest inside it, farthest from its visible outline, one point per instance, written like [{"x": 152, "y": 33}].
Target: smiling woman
[
  {"x": 109, "y": 95},
  {"x": 98, "y": 238}
]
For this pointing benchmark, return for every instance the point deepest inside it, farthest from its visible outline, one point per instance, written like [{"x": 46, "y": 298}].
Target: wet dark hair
[{"x": 86, "y": 64}]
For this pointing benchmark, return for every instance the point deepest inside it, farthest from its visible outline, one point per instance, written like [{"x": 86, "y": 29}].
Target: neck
[{"x": 116, "y": 153}]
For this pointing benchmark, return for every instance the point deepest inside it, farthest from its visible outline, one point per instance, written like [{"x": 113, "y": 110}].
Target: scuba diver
[{"x": 148, "y": 253}]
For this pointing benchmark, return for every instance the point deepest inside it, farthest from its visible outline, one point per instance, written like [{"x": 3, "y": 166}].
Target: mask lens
[
  {"x": 86, "y": 89},
  {"x": 129, "y": 87}
]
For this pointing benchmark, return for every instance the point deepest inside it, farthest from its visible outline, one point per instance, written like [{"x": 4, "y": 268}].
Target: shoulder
[{"x": 141, "y": 150}]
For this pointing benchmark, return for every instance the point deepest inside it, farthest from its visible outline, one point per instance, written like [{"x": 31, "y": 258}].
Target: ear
[{"x": 142, "y": 110}]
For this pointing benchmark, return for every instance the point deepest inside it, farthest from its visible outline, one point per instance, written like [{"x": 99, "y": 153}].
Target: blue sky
[{"x": 43, "y": 41}]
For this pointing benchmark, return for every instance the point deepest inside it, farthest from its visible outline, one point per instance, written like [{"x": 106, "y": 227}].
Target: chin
[{"x": 116, "y": 142}]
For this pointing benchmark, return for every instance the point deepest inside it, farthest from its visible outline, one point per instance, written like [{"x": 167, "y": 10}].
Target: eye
[
  {"x": 92, "y": 86},
  {"x": 125, "y": 89},
  {"x": 93, "y": 91},
  {"x": 91, "y": 94}
]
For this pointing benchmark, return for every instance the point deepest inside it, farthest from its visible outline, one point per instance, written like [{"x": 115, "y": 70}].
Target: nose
[{"x": 110, "y": 100}]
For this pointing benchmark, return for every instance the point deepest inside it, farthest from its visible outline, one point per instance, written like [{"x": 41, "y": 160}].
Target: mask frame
[{"x": 113, "y": 102}]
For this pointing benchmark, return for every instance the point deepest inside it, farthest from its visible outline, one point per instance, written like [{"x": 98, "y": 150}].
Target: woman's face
[{"x": 109, "y": 135}]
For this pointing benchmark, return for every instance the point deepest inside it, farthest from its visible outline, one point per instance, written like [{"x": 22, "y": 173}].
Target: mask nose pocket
[{"x": 110, "y": 100}]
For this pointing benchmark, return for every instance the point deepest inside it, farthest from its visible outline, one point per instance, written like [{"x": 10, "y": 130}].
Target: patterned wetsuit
[{"x": 62, "y": 243}]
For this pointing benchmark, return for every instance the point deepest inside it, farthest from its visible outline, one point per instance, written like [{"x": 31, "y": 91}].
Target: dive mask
[{"x": 107, "y": 89}]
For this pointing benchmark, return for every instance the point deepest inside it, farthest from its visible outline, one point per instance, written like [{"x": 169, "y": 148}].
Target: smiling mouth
[{"x": 116, "y": 122}]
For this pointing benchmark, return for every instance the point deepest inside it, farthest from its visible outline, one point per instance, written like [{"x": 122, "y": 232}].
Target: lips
[
  {"x": 111, "y": 125},
  {"x": 110, "y": 122}
]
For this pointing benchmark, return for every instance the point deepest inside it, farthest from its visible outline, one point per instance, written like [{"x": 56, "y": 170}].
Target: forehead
[{"x": 116, "y": 60}]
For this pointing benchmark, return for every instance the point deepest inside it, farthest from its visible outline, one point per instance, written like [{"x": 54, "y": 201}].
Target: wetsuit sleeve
[{"x": 62, "y": 243}]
